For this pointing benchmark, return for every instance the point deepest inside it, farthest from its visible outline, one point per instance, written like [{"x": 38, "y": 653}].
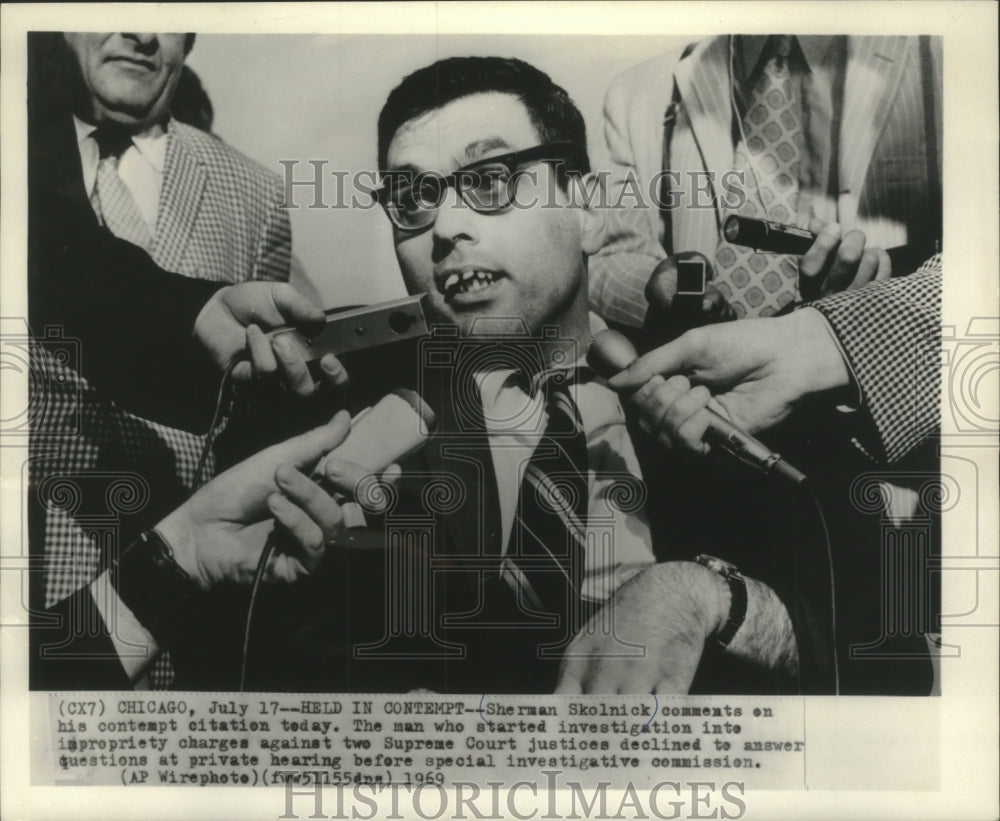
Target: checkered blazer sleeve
[
  {"x": 890, "y": 333},
  {"x": 629, "y": 252},
  {"x": 273, "y": 258}
]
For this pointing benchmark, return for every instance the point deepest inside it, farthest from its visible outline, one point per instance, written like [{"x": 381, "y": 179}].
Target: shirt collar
[
  {"x": 492, "y": 383},
  {"x": 151, "y": 144},
  {"x": 83, "y": 130},
  {"x": 814, "y": 49}
]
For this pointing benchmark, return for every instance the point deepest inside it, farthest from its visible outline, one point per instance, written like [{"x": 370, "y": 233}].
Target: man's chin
[
  {"x": 127, "y": 112},
  {"x": 495, "y": 325}
]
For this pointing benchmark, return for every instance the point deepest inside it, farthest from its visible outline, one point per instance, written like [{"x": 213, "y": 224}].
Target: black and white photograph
[{"x": 408, "y": 402}]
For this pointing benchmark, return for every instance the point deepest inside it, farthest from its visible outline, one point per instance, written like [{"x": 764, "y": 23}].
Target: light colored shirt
[
  {"x": 140, "y": 167},
  {"x": 515, "y": 423}
]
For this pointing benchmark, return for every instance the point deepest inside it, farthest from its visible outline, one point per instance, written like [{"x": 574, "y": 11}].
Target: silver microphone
[{"x": 611, "y": 352}]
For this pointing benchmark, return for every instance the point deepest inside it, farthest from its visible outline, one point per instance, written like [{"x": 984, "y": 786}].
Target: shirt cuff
[
  {"x": 856, "y": 402},
  {"x": 134, "y": 644}
]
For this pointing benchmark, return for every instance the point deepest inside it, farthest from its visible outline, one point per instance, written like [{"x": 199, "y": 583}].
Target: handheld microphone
[
  {"x": 763, "y": 235},
  {"x": 775, "y": 238},
  {"x": 394, "y": 427},
  {"x": 611, "y": 352}
]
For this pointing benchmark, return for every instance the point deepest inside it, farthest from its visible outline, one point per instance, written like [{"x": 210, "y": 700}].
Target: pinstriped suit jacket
[
  {"x": 883, "y": 160},
  {"x": 219, "y": 219}
]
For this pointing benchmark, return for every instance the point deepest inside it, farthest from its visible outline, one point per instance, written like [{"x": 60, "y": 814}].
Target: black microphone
[
  {"x": 775, "y": 238},
  {"x": 611, "y": 352}
]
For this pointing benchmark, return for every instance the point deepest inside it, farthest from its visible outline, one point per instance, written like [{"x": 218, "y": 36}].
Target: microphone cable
[
  {"x": 828, "y": 546},
  {"x": 206, "y": 449},
  {"x": 258, "y": 577}
]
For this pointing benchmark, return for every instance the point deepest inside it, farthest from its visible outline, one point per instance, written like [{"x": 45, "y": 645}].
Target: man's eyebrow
[
  {"x": 475, "y": 150},
  {"x": 405, "y": 168}
]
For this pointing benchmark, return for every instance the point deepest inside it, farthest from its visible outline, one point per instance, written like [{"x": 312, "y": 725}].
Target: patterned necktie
[
  {"x": 548, "y": 540},
  {"x": 769, "y": 158},
  {"x": 113, "y": 202}
]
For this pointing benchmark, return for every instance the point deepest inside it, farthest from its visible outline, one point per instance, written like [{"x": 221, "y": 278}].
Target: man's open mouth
[{"x": 468, "y": 281}]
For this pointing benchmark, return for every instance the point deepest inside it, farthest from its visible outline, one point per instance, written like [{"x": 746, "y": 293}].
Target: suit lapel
[
  {"x": 874, "y": 69},
  {"x": 702, "y": 138},
  {"x": 184, "y": 180}
]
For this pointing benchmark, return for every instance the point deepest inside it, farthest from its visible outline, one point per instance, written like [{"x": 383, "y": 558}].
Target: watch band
[
  {"x": 153, "y": 586},
  {"x": 737, "y": 595}
]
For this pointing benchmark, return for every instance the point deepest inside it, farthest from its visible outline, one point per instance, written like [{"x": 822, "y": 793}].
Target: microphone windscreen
[
  {"x": 662, "y": 286},
  {"x": 610, "y": 353},
  {"x": 398, "y": 424}
]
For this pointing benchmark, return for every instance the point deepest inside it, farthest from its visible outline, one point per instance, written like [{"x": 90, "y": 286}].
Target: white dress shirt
[
  {"x": 515, "y": 423},
  {"x": 140, "y": 167}
]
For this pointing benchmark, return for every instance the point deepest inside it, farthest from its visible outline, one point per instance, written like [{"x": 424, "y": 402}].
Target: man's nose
[
  {"x": 455, "y": 220},
  {"x": 147, "y": 42}
]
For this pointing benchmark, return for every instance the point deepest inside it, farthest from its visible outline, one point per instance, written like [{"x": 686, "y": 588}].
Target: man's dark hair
[{"x": 550, "y": 108}]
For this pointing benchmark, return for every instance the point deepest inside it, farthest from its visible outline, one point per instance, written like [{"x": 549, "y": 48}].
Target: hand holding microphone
[
  {"x": 676, "y": 413},
  {"x": 218, "y": 535}
]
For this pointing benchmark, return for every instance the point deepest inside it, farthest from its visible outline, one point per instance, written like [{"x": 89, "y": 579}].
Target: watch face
[{"x": 691, "y": 278}]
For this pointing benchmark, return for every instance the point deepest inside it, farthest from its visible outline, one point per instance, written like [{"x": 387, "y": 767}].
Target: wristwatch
[
  {"x": 737, "y": 595},
  {"x": 153, "y": 586}
]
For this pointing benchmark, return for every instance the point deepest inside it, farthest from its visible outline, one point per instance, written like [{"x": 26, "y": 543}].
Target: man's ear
[{"x": 587, "y": 192}]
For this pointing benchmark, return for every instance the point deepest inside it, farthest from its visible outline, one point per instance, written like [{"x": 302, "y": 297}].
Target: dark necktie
[
  {"x": 547, "y": 550},
  {"x": 112, "y": 201}
]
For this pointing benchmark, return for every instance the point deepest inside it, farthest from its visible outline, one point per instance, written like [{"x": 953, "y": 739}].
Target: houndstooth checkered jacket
[
  {"x": 219, "y": 219},
  {"x": 890, "y": 333}
]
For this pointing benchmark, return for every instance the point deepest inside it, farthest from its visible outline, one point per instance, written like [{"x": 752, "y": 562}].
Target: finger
[
  {"x": 659, "y": 407},
  {"x": 667, "y": 359},
  {"x": 884, "y": 264},
  {"x": 642, "y": 400},
  {"x": 259, "y": 347},
  {"x": 606, "y": 682},
  {"x": 820, "y": 255},
  {"x": 656, "y": 403},
  {"x": 662, "y": 285},
  {"x": 359, "y": 483},
  {"x": 815, "y": 225},
  {"x": 305, "y": 450},
  {"x": 714, "y": 304},
  {"x": 311, "y": 498},
  {"x": 306, "y": 534},
  {"x": 690, "y": 418},
  {"x": 287, "y": 569},
  {"x": 391, "y": 475},
  {"x": 294, "y": 309},
  {"x": 334, "y": 372},
  {"x": 243, "y": 372},
  {"x": 639, "y": 680},
  {"x": 845, "y": 264},
  {"x": 867, "y": 269},
  {"x": 569, "y": 681},
  {"x": 293, "y": 365},
  {"x": 672, "y": 685}
]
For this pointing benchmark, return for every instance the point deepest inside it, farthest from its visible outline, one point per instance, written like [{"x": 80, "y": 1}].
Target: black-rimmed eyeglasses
[{"x": 412, "y": 198}]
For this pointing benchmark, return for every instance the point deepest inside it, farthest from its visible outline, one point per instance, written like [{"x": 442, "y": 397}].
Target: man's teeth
[{"x": 467, "y": 282}]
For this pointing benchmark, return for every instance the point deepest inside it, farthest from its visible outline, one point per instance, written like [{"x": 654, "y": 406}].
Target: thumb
[
  {"x": 294, "y": 308},
  {"x": 666, "y": 360}
]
